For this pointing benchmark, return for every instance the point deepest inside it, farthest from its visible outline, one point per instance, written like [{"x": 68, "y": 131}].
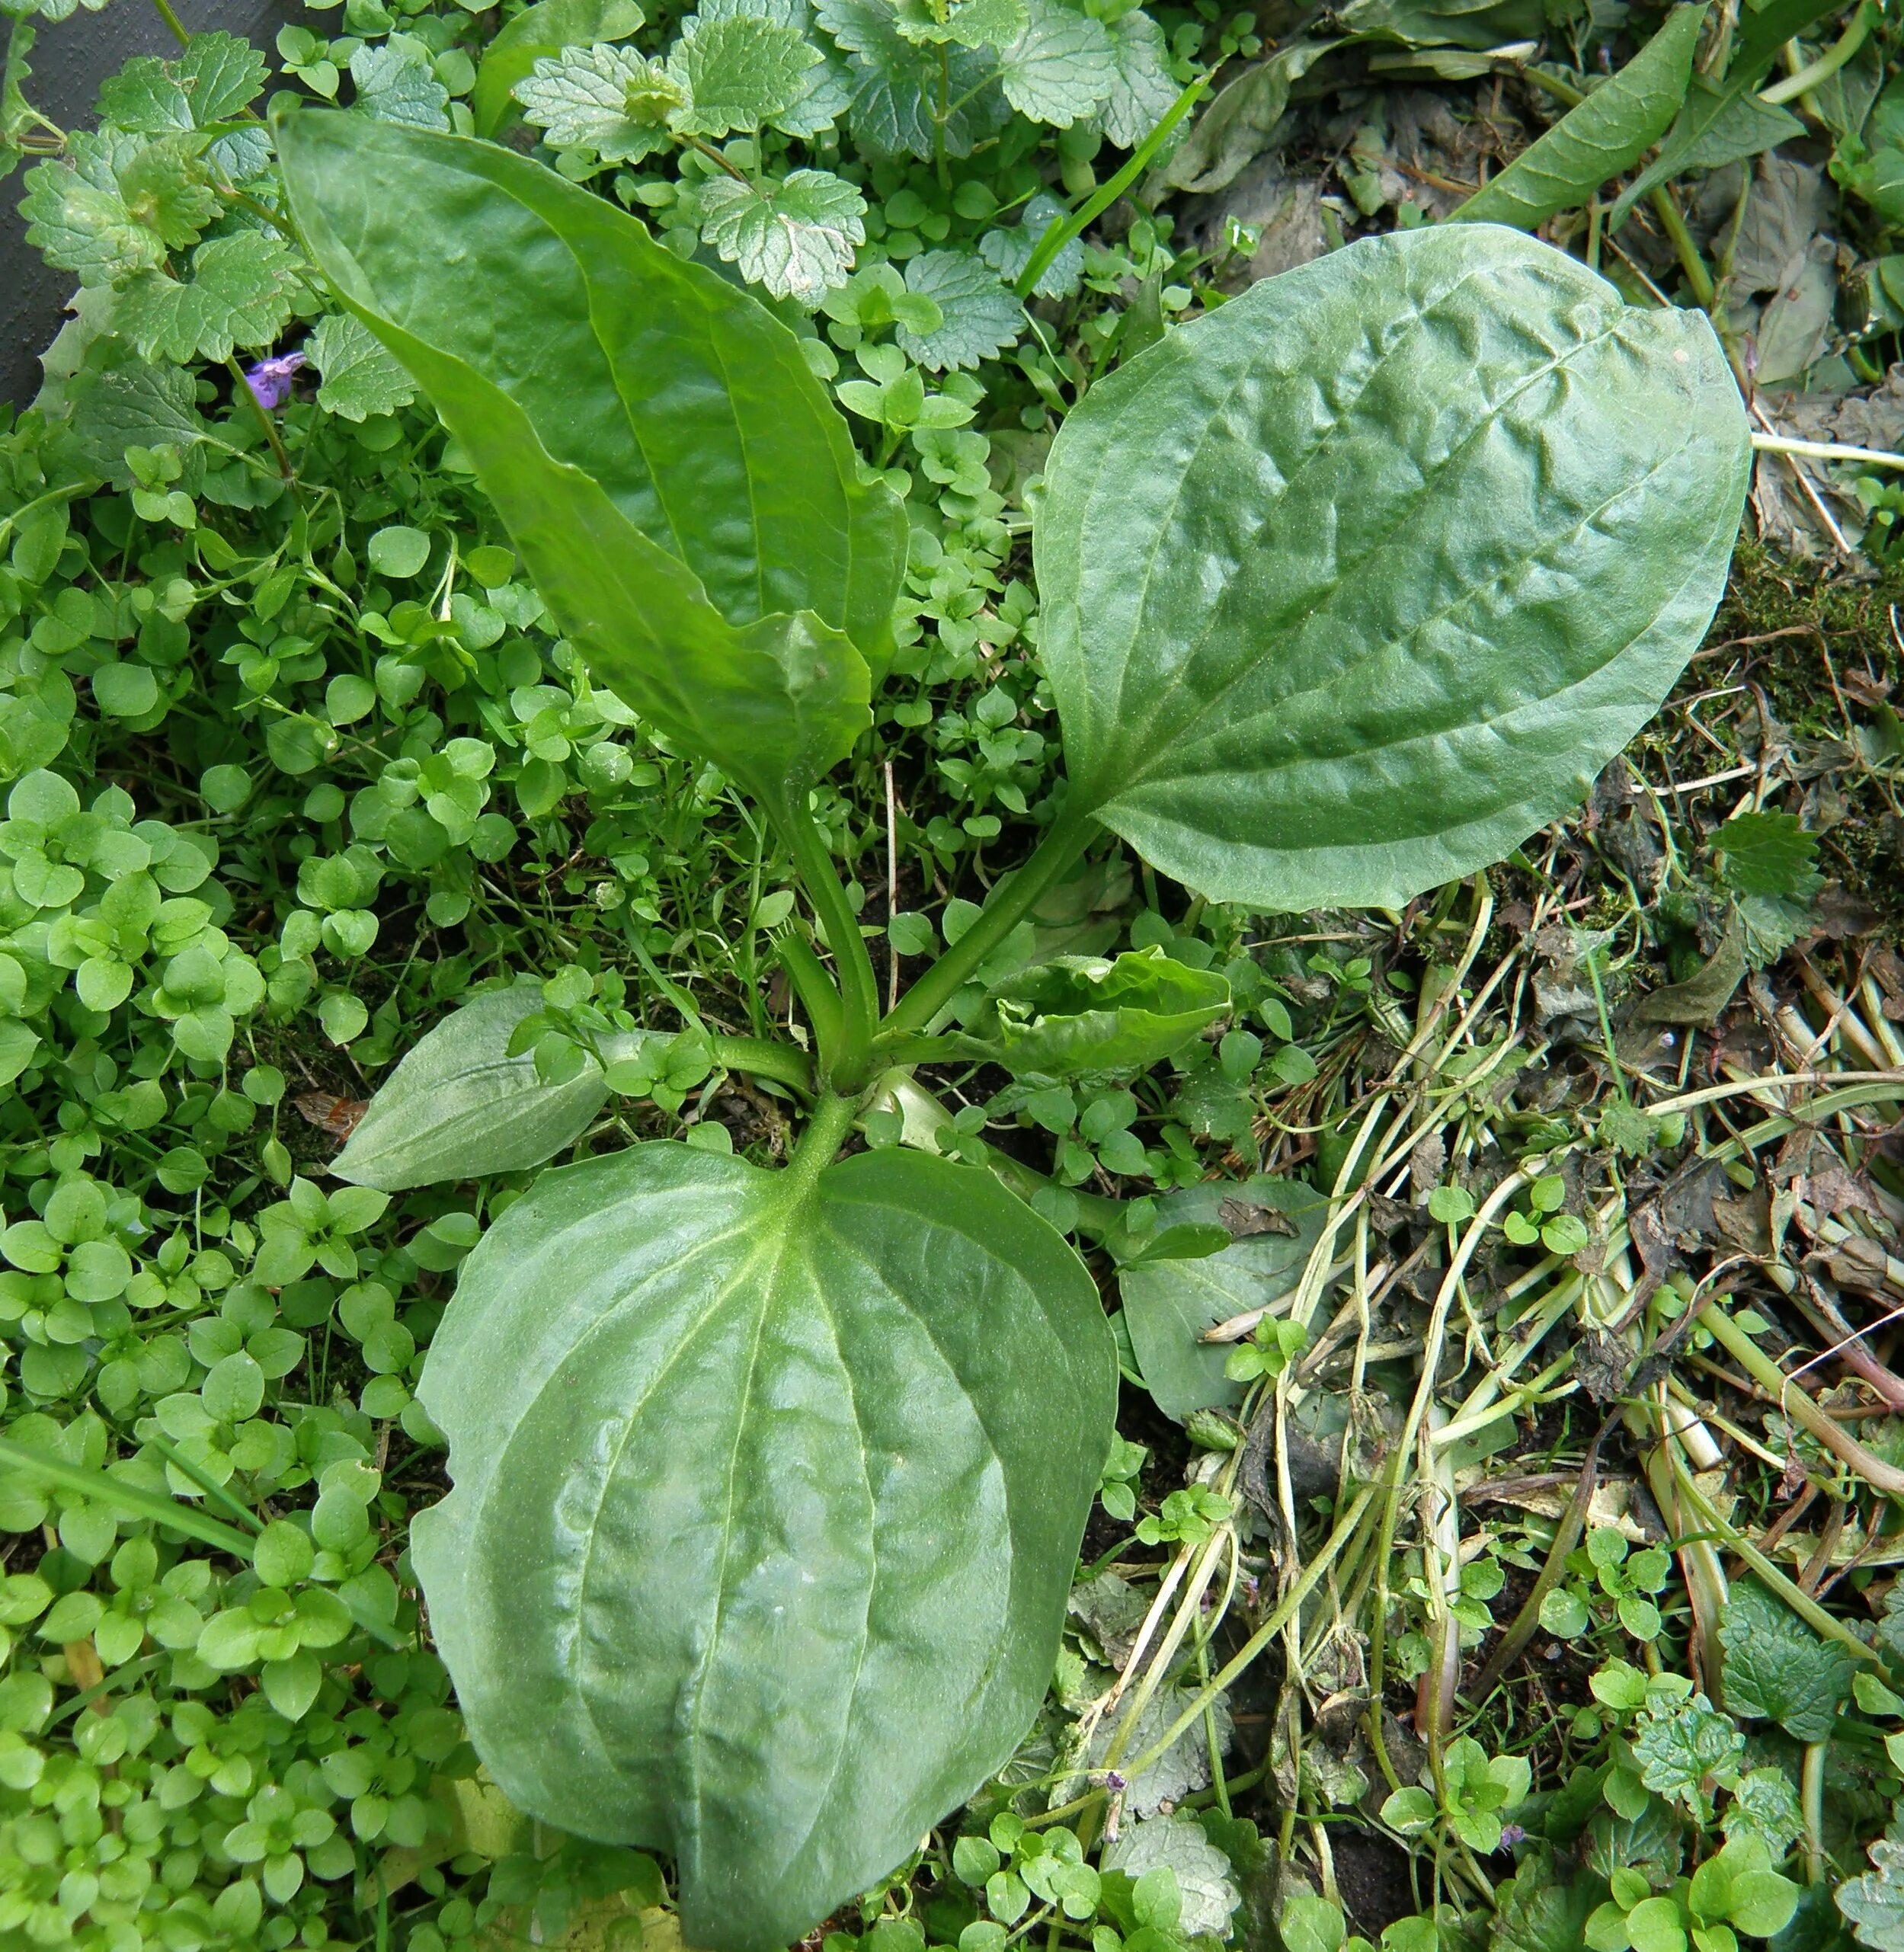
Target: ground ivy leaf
[
  {"x": 118, "y": 400},
  {"x": 1765, "y": 1806},
  {"x": 239, "y": 294},
  {"x": 738, "y": 72},
  {"x": 1298, "y": 658},
  {"x": 795, "y": 237},
  {"x": 1060, "y": 67},
  {"x": 165, "y": 186},
  {"x": 1008, "y": 250},
  {"x": 1776, "y": 1667},
  {"x": 1142, "y": 87},
  {"x": 215, "y": 77},
  {"x": 610, "y": 100},
  {"x": 1178, "y": 1844},
  {"x": 1769, "y": 854},
  {"x": 1182, "y": 1767},
  {"x": 397, "y": 82},
  {"x": 979, "y": 315},
  {"x": 538, "y": 32},
  {"x": 699, "y": 1413},
  {"x": 826, "y": 95},
  {"x": 77, "y": 214},
  {"x": 967, "y": 23},
  {"x": 1680, "y": 1744},
  {"x": 360, "y": 378}
]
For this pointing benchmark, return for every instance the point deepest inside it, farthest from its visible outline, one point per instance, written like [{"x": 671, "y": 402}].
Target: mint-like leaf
[
  {"x": 610, "y": 101},
  {"x": 979, "y": 317},
  {"x": 826, "y": 95},
  {"x": 1060, "y": 68},
  {"x": 738, "y": 73},
  {"x": 215, "y": 78},
  {"x": 894, "y": 84},
  {"x": 965, "y": 23},
  {"x": 1008, "y": 250},
  {"x": 1873, "y": 1904},
  {"x": 165, "y": 186},
  {"x": 1143, "y": 89},
  {"x": 360, "y": 378},
  {"x": 1776, "y": 1668},
  {"x": 1765, "y": 1806},
  {"x": 1767, "y": 853},
  {"x": 1206, "y": 1893},
  {"x": 238, "y": 295},
  {"x": 1679, "y": 1744},
  {"x": 396, "y": 83},
  {"x": 795, "y": 238},
  {"x": 117, "y": 400},
  {"x": 77, "y": 216}
]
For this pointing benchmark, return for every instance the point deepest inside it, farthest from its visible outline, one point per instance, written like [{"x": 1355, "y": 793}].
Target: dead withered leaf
[
  {"x": 1705, "y": 993},
  {"x": 1602, "y": 1364},
  {"x": 329, "y": 1113},
  {"x": 1857, "y": 1262},
  {"x": 1746, "y": 1222},
  {"x": 1244, "y": 1217}
]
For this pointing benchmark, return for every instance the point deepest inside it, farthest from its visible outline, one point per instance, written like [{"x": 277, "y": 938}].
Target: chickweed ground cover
[{"x": 1497, "y": 1544}]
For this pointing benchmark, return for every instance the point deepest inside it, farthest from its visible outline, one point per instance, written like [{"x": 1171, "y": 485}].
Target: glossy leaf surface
[
  {"x": 1598, "y": 137},
  {"x": 1074, "y": 1015},
  {"x": 768, "y": 1488},
  {"x": 684, "y": 493},
  {"x": 460, "y": 1107},
  {"x": 1355, "y": 582}
]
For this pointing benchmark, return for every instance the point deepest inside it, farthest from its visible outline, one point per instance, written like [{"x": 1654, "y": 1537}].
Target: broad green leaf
[
  {"x": 1603, "y": 136},
  {"x": 214, "y": 78},
  {"x": 1354, "y": 582},
  {"x": 738, "y": 72},
  {"x": 1143, "y": 89},
  {"x": 537, "y": 32},
  {"x": 612, "y": 101},
  {"x": 397, "y": 82},
  {"x": 682, "y": 490},
  {"x": 360, "y": 378},
  {"x": 1074, "y": 1016},
  {"x": 118, "y": 400},
  {"x": 1699, "y": 138},
  {"x": 77, "y": 214},
  {"x": 967, "y": 23},
  {"x": 1060, "y": 67},
  {"x": 460, "y": 1107},
  {"x": 1776, "y": 1666},
  {"x": 796, "y": 236},
  {"x": 1767, "y": 853},
  {"x": 1765, "y": 1805},
  {"x": 1541, "y": 1911},
  {"x": 896, "y": 84},
  {"x": 239, "y": 294},
  {"x": 1476, "y": 23},
  {"x": 1168, "y": 1305},
  {"x": 978, "y": 316},
  {"x": 768, "y": 1488}
]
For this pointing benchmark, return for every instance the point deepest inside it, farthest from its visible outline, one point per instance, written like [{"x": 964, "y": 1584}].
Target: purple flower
[
  {"x": 270, "y": 380},
  {"x": 1512, "y": 1834}
]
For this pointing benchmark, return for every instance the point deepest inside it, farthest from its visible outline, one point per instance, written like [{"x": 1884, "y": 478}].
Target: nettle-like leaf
[
  {"x": 396, "y": 81},
  {"x": 1351, "y": 584},
  {"x": 1777, "y": 1667},
  {"x": 213, "y": 78},
  {"x": 682, "y": 490},
  {"x": 796, "y": 236},
  {"x": 612, "y": 101},
  {"x": 963, "y": 23},
  {"x": 239, "y": 294},
  {"x": 1008, "y": 250},
  {"x": 166, "y": 186},
  {"x": 1060, "y": 67},
  {"x": 738, "y": 73},
  {"x": 77, "y": 217},
  {"x": 1874, "y": 1903},
  {"x": 359, "y": 377},
  {"x": 768, "y": 1488},
  {"x": 895, "y": 83},
  {"x": 978, "y": 316},
  {"x": 535, "y": 34},
  {"x": 1143, "y": 89},
  {"x": 1767, "y": 854}
]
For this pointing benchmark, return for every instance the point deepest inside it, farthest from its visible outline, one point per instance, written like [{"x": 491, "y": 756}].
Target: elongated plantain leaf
[
  {"x": 684, "y": 493},
  {"x": 768, "y": 1488},
  {"x": 1351, "y": 584},
  {"x": 1599, "y": 138}
]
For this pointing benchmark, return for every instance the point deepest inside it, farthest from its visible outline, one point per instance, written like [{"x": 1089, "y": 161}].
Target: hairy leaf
[
  {"x": 77, "y": 216},
  {"x": 1242, "y": 121},
  {"x": 612, "y": 101},
  {"x": 1767, "y": 853},
  {"x": 1206, "y": 1890},
  {"x": 683, "y": 492},
  {"x": 1008, "y": 249},
  {"x": 360, "y": 378},
  {"x": 796, "y": 236},
  {"x": 768, "y": 1491},
  {"x": 119, "y": 401},
  {"x": 1168, "y": 1305},
  {"x": 978, "y": 316},
  {"x": 239, "y": 294},
  {"x": 1605, "y": 134},
  {"x": 535, "y": 33},
  {"x": 739, "y": 72},
  {"x": 1874, "y": 1903},
  {"x": 396, "y": 83},
  {"x": 1351, "y": 584},
  {"x": 1060, "y": 67},
  {"x": 1776, "y": 1666},
  {"x": 967, "y": 23},
  {"x": 895, "y": 83},
  {"x": 214, "y": 78},
  {"x": 1143, "y": 89}
]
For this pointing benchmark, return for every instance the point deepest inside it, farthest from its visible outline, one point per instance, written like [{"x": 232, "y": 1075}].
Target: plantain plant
[{"x": 768, "y": 1485}]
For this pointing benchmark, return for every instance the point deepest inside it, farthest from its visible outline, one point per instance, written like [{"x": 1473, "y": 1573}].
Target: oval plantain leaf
[
  {"x": 1355, "y": 582},
  {"x": 460, "y": 1107},
  {"x": 1598, "y": 137},
  {"x": 683, "y": 492},
  {"x": 768, "y": 1492}
]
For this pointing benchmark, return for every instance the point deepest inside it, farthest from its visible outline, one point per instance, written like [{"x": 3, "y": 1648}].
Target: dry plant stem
[
  {"x": 1797, "y": 1403},
  {"x": 1441, "y": 1529}
]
